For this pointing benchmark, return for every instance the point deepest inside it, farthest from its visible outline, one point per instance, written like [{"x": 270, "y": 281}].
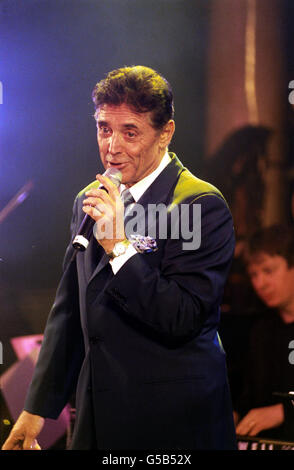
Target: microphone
[{"x": 81, "y": 240}]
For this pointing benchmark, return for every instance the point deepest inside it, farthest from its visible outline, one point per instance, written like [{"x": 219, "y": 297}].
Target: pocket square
[{"x": 143, "y": 244}]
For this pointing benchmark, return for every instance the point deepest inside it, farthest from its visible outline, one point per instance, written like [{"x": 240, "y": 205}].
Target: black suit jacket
[{"x": 141, "y": 347}]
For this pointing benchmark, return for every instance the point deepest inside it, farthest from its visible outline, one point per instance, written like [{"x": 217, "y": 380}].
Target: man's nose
[
  {"x": 260, "y": 282},
  {"x": 114, "y": 144}
]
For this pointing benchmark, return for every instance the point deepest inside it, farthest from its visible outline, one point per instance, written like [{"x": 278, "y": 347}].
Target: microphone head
[{"x": 114, "y": 175}]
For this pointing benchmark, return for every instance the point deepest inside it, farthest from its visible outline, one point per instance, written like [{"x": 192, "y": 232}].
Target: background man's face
[
  {"x": 128, "y": 141},
  {"x": 272, "y": 279}
]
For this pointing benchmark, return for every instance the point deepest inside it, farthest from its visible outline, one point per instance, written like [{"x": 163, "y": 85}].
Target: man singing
[{"x": 133, "y": 329}]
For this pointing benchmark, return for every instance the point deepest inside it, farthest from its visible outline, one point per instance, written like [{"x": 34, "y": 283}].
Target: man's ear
[{"x": 167, "y": 133}]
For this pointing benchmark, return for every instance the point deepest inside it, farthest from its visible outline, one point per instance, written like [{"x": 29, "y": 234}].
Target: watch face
[{"x": 119, "y": 249}]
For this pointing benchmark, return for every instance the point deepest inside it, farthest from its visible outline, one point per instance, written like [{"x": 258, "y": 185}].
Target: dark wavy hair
[
  {"x": 274, "y": 240},
  {"x": 141, "y": 88}
]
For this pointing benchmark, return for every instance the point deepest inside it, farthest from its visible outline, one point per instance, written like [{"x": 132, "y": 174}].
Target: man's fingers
[
  {"x": 109, "y": 185},
  {"x": 10, "y": 444},
  {"x": 98, "y": 194},
  {"x": 13, "y": 442},
  {"x": 35, "y": 445},
  {"x": 30, "y": 443},
  {"x": 97, "y": 212},
  {"x": 92, "y": 212},
  {"x": 245, "y": 426},
  {"x": 23, "y": 434},
  {"x": 95, "y": 202},
  {"x": 95, "y": 198}
]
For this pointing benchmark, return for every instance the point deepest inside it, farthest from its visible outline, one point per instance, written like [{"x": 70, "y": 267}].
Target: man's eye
[
  {"x": 104, "y": 130},
  {"x": 268, "y": 270},
  {"x": 130, "y": 134}
]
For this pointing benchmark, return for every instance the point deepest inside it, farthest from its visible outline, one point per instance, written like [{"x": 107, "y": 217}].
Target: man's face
[
  {"x": 128, "y": 142},
  {"x": 272, "y": 280}
]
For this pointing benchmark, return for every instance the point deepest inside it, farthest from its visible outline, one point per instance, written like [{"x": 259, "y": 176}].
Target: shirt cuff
[{"x": 119, "y": 261}]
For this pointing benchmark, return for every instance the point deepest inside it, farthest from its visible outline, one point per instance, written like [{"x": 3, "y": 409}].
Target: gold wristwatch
[{"x": 119, "y": 249}]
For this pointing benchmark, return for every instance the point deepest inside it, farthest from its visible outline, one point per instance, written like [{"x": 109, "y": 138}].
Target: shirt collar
[{"x": 139, "y": 188}]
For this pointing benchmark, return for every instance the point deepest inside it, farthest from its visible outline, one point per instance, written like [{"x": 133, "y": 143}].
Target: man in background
[{"x": 261, "y": 410}]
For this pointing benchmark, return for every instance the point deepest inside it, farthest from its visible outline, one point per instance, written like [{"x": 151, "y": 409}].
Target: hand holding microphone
[{"x": 101, "y": 206}]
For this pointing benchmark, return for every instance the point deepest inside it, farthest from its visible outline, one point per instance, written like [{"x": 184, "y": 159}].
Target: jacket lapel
[{"x": 102, "y": 263}]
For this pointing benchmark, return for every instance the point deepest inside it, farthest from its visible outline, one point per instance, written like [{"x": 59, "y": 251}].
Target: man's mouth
[
  {"x": 118, "y": 165},
  {"x": 269, "y": 297}
]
